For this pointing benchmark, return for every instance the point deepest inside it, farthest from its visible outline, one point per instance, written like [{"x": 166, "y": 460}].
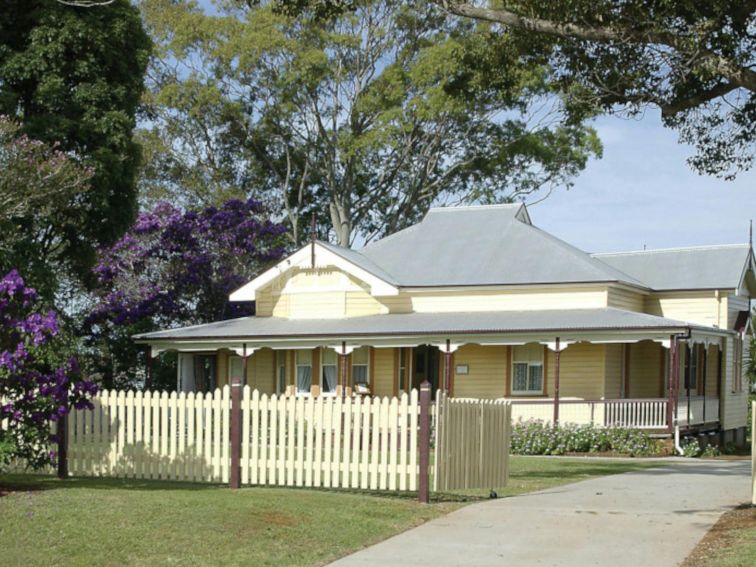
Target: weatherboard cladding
[{"x": 604, "y": 319}]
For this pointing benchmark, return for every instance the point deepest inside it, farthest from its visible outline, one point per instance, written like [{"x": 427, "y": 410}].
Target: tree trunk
[{"x": 342, "y": 224}]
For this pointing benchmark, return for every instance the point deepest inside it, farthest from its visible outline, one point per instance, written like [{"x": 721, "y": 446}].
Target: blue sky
[{"x": 643, "y": 192}]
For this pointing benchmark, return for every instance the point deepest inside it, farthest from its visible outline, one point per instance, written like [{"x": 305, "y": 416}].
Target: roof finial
[
  {"x": 312, "y": 240},
  {"x": 750, "y": 234}
]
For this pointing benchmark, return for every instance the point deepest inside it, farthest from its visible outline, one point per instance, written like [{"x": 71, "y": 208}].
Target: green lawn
[{"x": 82, "y": 522}]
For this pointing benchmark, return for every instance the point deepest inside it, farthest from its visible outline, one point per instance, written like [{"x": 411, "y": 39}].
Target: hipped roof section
[{"x": 498, "y": 245}]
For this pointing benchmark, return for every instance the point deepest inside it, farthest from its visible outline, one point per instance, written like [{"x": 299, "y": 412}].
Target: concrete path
[{"x": 649, "y": 518}]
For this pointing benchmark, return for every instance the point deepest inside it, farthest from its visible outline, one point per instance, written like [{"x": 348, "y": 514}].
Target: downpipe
[{"x": 678, "y": 448}]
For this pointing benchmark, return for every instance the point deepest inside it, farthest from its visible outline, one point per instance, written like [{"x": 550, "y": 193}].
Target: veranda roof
[{"x": 548, "y": 322}]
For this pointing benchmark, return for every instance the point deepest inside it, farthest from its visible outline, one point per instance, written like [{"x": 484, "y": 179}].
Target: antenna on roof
[{"x": 312, "y": 240}]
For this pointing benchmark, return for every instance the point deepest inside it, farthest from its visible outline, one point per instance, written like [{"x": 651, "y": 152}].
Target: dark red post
[
  {"x": 557, "y": 352},
  {"x": 423, "y": 442},
  {"x": 704, "y": 371},
  {"x": 236, "y": 418},
  {"x": 447, "y": 372},
  {"x": 688, "y": 375},
  {"x": 62, "y": 434},
  {"x": 671, "y": 381},
  {"x": 343, "y": 363}
]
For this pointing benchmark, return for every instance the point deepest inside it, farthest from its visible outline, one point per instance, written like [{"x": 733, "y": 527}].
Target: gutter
[{"x": 142, "y": 338}]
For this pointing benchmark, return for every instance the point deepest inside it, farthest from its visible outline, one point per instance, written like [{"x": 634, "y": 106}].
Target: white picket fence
[
  {"x": 152, "y": 435},
  {"x": 365, "y": 443}
]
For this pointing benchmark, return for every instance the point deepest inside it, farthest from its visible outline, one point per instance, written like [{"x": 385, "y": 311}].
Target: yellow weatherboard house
[{"x": 480, "y": 302}]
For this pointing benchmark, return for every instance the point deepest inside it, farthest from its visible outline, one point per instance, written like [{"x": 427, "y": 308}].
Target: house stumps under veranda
[{"x": 483, "y": 304}]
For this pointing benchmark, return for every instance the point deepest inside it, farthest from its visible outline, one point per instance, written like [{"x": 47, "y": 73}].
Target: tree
[
  {"x": 36, "y": 386},
  {"x": 174, "y": 267},
  {"x": 693, "y": 60},
  {"x": 41, "y": 188},
  {"x": 74, "y": 77},
  {"x": 364, "y": 119}
]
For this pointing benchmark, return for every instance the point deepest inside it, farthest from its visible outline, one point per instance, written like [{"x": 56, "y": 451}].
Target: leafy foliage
[
  {"x": 693, "y": 60},
  {"x": 365, "y": 118},
  {"x": 534, "y": 437},
  {"x": 690, "y": 447},
  {"x": 36, "y": 387},
  {"x": 175, "y": 267},
  {"x": 74, "y": 77},
  {"x": 41, "y": 188}
]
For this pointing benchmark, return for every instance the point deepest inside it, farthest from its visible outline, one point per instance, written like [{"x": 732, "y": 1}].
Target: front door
[{"x": 425, "y": 364}]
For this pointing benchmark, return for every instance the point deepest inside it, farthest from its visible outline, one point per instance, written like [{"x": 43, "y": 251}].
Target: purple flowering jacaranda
[
  {"x": 176, "y": 267},
  {"x": 34, "y": 390}
]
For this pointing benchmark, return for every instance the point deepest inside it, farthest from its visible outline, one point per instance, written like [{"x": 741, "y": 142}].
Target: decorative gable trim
[{"x": 323, "y": 258}]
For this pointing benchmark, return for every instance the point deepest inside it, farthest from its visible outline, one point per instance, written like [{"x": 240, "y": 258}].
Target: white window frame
[
  {"x": 297, "y": 365},
  {"x": 335, "y": 365},
  {"x": 230, "y": 364},
  {"x": 531, "y": 362},
  {"x": 280, "y": 365},
  {"x": 403, "y": 369},
  {"x": 738, "y": 344},
  {"x": 366, "y": 364}
]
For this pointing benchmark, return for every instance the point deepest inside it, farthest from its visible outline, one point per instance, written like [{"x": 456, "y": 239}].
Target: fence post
[
  {"x": 62, "y": 433},
  {"x": 753, "y": 453},
  {"x": 423, "y": 442},
  {"x": 236, "y": 419}
]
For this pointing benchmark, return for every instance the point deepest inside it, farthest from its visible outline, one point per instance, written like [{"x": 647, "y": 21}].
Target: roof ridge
[
  {"x": 577, "y": 252},
  {"x": 458, "y": 208},
  {"x": 672, "y": 249}
]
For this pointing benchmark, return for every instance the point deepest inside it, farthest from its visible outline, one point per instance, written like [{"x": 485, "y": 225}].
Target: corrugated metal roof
[
  {"x": 493, "y": 245},
  {"x": 424, "y": 324},
  {"x": 363, "y": 262},
  {"x": 707, "y": 267}
]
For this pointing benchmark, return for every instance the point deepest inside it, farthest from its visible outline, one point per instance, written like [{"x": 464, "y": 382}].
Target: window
[
  {"x": 304, "y": 371},
  {"x": 360, "y": 363},
  {"x": 691, "y": 372},
  {"x": 403, "y": 370},
  {"x": 527, "y": 369},
  {"x": 737, "y": 354},
  {"x": 328, "y": 361},
  {"x": 235, "y": 369},
  {"x": 280, "y": 372},
  {"x": 204, "y": 373}
]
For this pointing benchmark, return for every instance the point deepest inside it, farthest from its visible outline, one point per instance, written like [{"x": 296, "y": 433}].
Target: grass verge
[
  {"x": 106, "y": 522},
  {"x": 730, "y": 543}
]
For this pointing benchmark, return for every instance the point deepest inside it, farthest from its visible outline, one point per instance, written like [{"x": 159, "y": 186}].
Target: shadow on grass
[{"x": 564, "y": 472}]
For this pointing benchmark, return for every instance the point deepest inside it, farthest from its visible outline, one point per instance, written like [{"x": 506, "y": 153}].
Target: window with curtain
[
  {"x": 360, "y": 365},
  {"x": 235, "y": 369},
  {"x": 527, "y": 369},
  {"x": 304, "y": 371},
  {"x": 328, "y": 365},
  {"x": 281, "y": 372}
]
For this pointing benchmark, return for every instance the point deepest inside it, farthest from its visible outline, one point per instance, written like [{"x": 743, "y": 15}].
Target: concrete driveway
[{"x": 653, "y": 517}]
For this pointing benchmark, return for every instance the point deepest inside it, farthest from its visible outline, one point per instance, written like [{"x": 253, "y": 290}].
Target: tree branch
[
  {"x": 736, "y": 75},
  {"x": 680, "y": 105}
]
